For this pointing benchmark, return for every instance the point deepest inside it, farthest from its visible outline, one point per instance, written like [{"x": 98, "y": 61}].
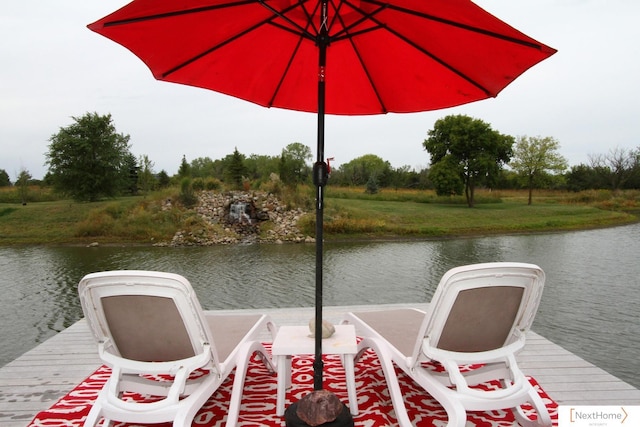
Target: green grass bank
[{"x": 349, "y": 214}]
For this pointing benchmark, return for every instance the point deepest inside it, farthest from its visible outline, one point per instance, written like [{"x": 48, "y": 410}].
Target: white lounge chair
[
  {"x": 479, "y": 314},
  {"x": 151, "y": 323}
]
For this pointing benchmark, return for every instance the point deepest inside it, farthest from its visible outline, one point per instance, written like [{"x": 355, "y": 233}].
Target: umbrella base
[{"x": 292, "y": 419}]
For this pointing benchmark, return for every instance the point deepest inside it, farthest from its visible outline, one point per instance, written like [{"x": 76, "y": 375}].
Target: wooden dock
[{"x": 37, "y": 379}]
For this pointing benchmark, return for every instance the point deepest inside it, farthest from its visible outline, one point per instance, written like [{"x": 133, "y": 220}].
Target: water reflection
[{"x": 589, "y": 306}]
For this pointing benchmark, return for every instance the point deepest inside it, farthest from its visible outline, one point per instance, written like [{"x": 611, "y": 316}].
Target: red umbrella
[
  {"x": 350, "y": 57},
  {"x": 382, "y": 55}
]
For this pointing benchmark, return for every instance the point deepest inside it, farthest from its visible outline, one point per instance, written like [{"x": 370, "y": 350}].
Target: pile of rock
[{"x": 258, "y": 209}]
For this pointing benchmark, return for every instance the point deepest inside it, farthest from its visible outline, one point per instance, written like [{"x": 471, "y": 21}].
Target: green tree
[
  {"x": 4, "y": 178},
  {"x": 184, "y": 171},
  {"x": 260, "y": 167},
  {"x": 146, "y": 179},
  {"x": 400, "y": 177},
  {"x": 617, "y": 166},
  {"x": 163, "y": 179},
  {"x": 372, "y": 185},
  {"x": 202, "y": 167},
  {"x": 507, "y": 179},
  {"x": 23, "y": 185},
  {"x": 634, "y": 179},
  {"x": 130, "y": 174},
  {"x": 293, "y": 166},
  {"x": 534, "y": 156},
  {"x": 471, "y": 148},
  {"x": 88, "y": 159},
  {"x": 236, "y": 170},
  {"x": 359, "y": 170},
  {"x": 446, "y": 179},
  {"x": 187, "y": 194},
  {"x": 584, "y": 177}
]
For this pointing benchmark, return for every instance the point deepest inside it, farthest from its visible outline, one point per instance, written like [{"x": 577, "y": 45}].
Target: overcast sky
[{"x": 52, "y": 67}]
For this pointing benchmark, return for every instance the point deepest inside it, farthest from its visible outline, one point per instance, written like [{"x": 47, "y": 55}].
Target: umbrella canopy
[
  {"x": 383, "y": 55},
  {"x": 350, "y": 57}
]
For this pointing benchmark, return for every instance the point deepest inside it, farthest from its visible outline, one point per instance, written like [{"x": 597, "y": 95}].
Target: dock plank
[{"x": 37, "y": 379}]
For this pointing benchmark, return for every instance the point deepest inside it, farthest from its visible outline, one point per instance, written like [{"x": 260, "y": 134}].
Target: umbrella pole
[
  {"x": 321, "y": 406},
  {"x": 320, "y": 176}
]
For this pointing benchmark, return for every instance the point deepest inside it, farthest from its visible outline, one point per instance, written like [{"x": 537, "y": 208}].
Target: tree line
[{"x": 89, "y": 160}]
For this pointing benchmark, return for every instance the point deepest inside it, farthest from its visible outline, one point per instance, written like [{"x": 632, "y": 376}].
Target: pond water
[{"x": 590, "y": 305}]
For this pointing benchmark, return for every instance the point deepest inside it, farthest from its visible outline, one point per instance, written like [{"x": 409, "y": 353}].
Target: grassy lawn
[
  {"x": 45, "y": 222},
  {"x": 348, "y": 214},
  {"x": 388, "y": 218},
  {"x": 122, "y": 220}
]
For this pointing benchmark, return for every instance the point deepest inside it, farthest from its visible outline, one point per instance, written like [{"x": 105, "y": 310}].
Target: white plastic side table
[{"x": 292, "y": 340}]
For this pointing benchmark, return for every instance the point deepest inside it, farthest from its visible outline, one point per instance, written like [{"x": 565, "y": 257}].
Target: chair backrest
[
  {"x": 482, "y": 308},
  {"x": 147, "y": 316}
]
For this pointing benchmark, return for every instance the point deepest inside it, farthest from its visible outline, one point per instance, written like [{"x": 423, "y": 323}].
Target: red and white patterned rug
[{"x": 259, "y": 398}]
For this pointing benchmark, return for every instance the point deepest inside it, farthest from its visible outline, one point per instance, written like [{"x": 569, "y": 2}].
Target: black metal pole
[{"x": 320, "y": 178}]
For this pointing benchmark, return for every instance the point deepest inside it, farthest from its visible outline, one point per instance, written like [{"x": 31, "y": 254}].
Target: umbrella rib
[
  {"x": 347, "y": 35},
  {"x": 413, "y": 44},
  {"x": 459, "y": 25},
  {"x": 344, "y": 33},
  {"x": 350, "y": 37},
  {"x": 176, "y": 13},
  {"x": 441, "y": 62},
  {"x": 284, "y": 74},
  {"x": 208, "y": 51},
  {"x": 302, "y": 33},
  {"x": 380, "y": 25}
]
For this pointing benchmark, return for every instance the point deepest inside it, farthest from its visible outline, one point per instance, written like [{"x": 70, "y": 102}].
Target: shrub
[
  {"x": 98, "y": 223},
  {"x": 212, "y": 184},
  {"x": 36, "y": 193},
  {"x": 372, "y": 185},
  {"x": 115, "y": 210},
  {"x": 198, "y": 184},
  {"x": 274, "y": 185},
  {"x": 187, "y": 196}
]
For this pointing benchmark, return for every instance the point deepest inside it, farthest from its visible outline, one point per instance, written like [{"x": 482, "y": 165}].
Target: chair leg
[
  {"x": 543, "y": 420},
  {"x": 184, "y": 418},
  {"x": 390, "y": 377},
  {"x": 266, "y": 361},
  {"x": 95, "y": 414},
  {"x": 448, "y": 398},
  {"x": 244, "y": 354},
  {"x": 456, "y": 414}
]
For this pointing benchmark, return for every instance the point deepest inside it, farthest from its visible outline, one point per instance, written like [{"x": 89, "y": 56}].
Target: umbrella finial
[{"x": 329, "y": 159}]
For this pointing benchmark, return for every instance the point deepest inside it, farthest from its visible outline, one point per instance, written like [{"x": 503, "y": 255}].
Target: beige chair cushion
[
  {"x": 481, "y": 319},
  {"x": 147, "y": 328}
]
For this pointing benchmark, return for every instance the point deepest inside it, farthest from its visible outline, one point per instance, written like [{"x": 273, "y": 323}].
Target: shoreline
[{"x": 337, "y": 239}]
